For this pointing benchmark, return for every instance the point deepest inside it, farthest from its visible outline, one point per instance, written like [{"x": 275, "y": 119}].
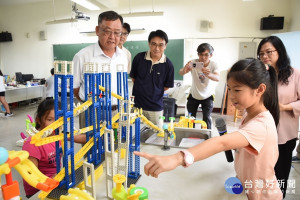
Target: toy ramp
[
  {"x": 77, "y": 194},
  {"x": 34, "y": 177}
]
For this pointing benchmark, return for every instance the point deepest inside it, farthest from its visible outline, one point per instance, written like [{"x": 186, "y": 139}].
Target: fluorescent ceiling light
[
  {"x": 140, "y": 14},
  {"x": 134, "y": 29},
  {"x": 109, "y": 3},
  {"x": 61, "y": 21},
  {"x": 138, "y": 29},
  {"x": 87, "y": 4}
]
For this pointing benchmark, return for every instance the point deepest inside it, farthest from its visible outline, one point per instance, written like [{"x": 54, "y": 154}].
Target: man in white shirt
[
  {"x": 204, "y": 82},
  {"x": 8, "y": 113},
  {"x": 50, "y": 85},
  {"x": 106, "y": 51},
  {"x": 125, "y": 32}
]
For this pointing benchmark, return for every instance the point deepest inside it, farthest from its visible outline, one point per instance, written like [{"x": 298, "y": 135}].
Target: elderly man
[{"x": 105, "y": 51}]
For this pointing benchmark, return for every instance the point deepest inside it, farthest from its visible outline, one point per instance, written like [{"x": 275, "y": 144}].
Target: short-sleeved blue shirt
[{"x": 150, "y": 81}]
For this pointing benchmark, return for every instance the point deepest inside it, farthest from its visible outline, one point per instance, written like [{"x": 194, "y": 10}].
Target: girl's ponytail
[{"x": 271, "y": 95}]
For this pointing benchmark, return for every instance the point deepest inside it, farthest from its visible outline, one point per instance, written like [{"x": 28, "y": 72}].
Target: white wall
[
  {"x": 291, "y": 42},
  {"x": 295, "y": 15},
  {"x": 233, "y": 21}
]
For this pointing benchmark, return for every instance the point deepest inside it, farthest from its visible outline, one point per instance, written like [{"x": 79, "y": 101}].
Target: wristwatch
[{"x": 188, "y": 158}]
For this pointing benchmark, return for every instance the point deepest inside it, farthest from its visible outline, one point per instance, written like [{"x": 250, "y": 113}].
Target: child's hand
[{"x": 158, "y": 164}]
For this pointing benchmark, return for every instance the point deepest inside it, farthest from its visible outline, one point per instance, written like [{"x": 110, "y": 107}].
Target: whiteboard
[{"x": 291, "y": 41}]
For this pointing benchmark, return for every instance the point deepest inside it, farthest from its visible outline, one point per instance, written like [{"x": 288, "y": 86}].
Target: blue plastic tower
[
  {"x": 64, "y": 72},
  {"x": 93, "y": 116},
  {"x": 134, "y": 173}
]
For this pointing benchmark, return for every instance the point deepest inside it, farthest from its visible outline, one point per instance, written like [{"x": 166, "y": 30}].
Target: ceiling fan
[{"x": 78, "y": 16}]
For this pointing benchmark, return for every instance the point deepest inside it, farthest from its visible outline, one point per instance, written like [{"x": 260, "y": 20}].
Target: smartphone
[{"x": 197, "y": 65}]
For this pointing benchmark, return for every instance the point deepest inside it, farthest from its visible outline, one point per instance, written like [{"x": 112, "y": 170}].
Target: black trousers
[
  {"x": 284, "y": 163},
  {"x": 206, "y": 105}
]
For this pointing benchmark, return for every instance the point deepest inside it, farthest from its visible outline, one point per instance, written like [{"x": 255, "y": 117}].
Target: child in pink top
[
  {"x": 44, "y": 157},
  {"x": 255, "y": 163},
  {"x": 252, "y": 86}
]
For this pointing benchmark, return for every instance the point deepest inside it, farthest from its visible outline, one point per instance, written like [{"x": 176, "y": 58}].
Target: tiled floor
[{"x": 211, "y": 179}]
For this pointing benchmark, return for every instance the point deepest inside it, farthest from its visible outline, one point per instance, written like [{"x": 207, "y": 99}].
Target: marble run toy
[
  {"x": 119, "y": 191},
  {"x": 126, "y": 146},
  {"x": 112, "y": 93},
  {"x": 134, "y": 193},
  {"x": 203, "y": 123},
  {"x": 88, "y": 191},
  {"x": 157, "y": 128},
  {"x": 149, "y": 123},
  {"x": 161, "y": 121},
  {"x": 11, "y": 189},
  {"x": 19, "y": 160},
  {"x": 167, "y": 134},
  {"x": 29, "y": 123},
  {"x": 124, "y": 125},
  {"x": 137, "y": 193},
  {"x": 188, "y": 122},
  {"x": 171, "y": 124},
  {"x": 168, "y": 129},
  {"x": 77, "y": 194},
  {"x": 109, "y": 160},
  {"x": 97, "y": 109},
  {"x": 89, "y": 180},
  {"x": 33, "y": 176}
]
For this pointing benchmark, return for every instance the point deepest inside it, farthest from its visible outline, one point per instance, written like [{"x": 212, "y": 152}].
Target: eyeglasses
[
  {"x": 109, "y": 33},
  {"x": 268, "y": 53},
  {"x": 154, "y": 45},
  {"x": 125, "y": 34},
  {"x": 204, "y": 55}
]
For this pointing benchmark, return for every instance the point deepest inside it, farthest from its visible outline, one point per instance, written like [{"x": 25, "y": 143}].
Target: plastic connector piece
[
  {"x": 165, "y": 126},
  {"x": 10, "y": 191}
]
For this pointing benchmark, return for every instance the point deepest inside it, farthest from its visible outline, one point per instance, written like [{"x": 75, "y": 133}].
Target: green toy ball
[{"x": 144, "y": 191}]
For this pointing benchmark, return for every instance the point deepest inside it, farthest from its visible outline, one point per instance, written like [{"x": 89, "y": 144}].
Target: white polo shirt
[{"x": 94, "y": 53}]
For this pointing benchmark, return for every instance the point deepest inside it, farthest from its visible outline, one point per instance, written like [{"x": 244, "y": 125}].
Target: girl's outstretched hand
[{"x": 158, "y": 164}]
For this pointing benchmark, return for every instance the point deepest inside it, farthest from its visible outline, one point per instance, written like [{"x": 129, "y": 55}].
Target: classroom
[{"x": 44, "y": 31}]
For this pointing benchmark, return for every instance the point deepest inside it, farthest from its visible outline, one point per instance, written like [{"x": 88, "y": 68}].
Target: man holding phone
[{"x": 205, "y": 74}]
